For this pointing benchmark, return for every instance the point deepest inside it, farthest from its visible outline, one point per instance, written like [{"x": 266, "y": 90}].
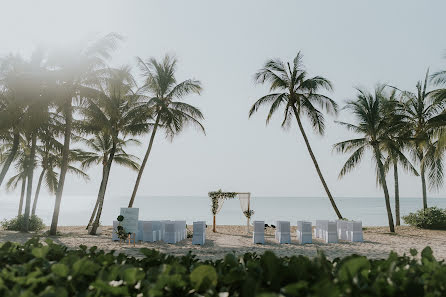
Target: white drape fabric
[
  {"x": 244, "y": 201},
  {"x": 220, "y": 204}
]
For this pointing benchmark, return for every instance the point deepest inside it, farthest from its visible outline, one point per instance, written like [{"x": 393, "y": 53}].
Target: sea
[{"x": 76, "y": 210}]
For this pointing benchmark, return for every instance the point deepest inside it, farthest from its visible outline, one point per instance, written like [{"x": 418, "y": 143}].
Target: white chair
[
  {"x": 170, "y": 232},
  {"x": 156, "y": 226},
  {"x": 258, "y": 236},
  {"x": 140, "y": 231},
  {"x": 199, "y": 236},
  {"x": 331, "y": 233},
  {"x": 283, "y": 234},
  {"x": 354, "y": 231},
  {"x": 115, "y": 228},
  {"x": 163, "y": 228},
  {"x": 319, "y": 231},
  {"x": 341, "y": 225},
  {"x": 304, "y": 232},
  {"x": 148, "y": 234},
  {"x": 182, "y": 229}
]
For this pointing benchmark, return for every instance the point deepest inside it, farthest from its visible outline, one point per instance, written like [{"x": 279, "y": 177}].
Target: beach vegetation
[
  {"x": 429, "y": 218},
  {"x": 50, "y": 269},
  {"x": 18, "y": 223}
]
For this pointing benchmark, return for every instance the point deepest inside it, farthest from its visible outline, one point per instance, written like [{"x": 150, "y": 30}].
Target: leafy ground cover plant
[
  {"x": 429, "y": 218},
  {"x": 18, "y": 223},
  {"x": 49, "y": 269}
]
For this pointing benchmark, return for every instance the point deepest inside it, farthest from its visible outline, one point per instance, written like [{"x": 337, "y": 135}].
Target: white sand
[{"x": 378, "y": 242}]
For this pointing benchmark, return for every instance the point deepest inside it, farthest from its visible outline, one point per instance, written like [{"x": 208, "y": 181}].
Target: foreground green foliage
[
  {"x": 429, "y": 218},
  {"x": 18, "y": 223},
  {"x": 36, "y": 269}
]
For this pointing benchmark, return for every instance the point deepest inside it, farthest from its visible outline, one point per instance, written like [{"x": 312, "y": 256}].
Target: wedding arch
[{"x": 218, "y": 197}]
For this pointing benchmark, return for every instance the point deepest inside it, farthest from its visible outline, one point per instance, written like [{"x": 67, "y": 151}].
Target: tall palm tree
[
  {"x": 100, "y": 146},
  {"x": 31, "y": 82},
  {"x": 439, "y": 80},
  {"x": 74, "y": 69},
  {"x": 375, "y": 126},
  {"x": 165, "y": 95},
  {"x": 21, "y": 166},
  {"x": 12, "y": 107},
  {"x": 49, "y": 160},
  {"x": 300, "y": 96},
  {"x": 116, "y": 110},
  {"x": 394, "y": 146},
  {"x": 423, "y": 113}
]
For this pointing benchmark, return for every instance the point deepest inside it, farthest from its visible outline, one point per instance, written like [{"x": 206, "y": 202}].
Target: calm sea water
[{"x": 76, "y": 210}]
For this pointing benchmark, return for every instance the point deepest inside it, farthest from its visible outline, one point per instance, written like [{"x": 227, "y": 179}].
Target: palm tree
[
  {"x": 423, "y": 114},
  {"x": 114, "y": 109},
  {"x": 49, "y": 157},
  {"x": 31, "y": 89},
  {"x": 74, "y": 69},
  {"x": 12, "y": 107},
  {"x": 171, "y": 115},
  {"x": 375, "y": 126},
  {"x": 21, "y": 166},
  {"x": 299, "y": 95},
  {"x": 394, "y": 146},
  {"x": 100, "y": 146}
]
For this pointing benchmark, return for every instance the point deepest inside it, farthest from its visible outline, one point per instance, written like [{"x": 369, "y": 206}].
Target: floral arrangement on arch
[
  {"x": 248, "y": 213},
  {"x": 122, "y": 235},
  {"x": 217, "y": 195}
]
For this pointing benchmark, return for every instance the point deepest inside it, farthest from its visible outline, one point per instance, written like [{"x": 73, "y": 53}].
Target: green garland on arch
[{"x": 217, "y": 195}]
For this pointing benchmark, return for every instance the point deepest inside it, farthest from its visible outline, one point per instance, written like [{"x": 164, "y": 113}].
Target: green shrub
[
  {"x": 36, "y": 269},
  {"x": 431, "y": 218},
  {"x": 18, "y": 223}
]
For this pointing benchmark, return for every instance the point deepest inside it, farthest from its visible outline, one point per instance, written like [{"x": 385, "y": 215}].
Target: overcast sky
[{"x": 223, "y": 43}]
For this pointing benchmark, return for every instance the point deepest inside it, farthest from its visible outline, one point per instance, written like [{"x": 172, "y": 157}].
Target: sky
[{"x": 352, "y": 43}]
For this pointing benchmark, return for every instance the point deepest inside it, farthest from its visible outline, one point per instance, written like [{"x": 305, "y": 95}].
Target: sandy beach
[{"x": 378, "y": 242}]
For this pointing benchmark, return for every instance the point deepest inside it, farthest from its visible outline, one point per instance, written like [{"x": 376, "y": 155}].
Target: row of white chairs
[
  {"x": 167, "y": 231},
  {"x": 151, "y": 231},
  {"x": 328, "y": 231}
]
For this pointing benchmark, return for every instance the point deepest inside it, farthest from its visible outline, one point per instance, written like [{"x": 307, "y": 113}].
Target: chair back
[
  {"x": 170, "y": 226},
  {"x": 147, "y": 226},
  {"x": 284, "y": 226},
  {"x": 259, "y": 226},
  {"x": 199, "y": 227}
]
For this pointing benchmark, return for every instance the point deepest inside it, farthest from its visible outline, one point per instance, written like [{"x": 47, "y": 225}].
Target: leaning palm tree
[
  {"x": 300, "y": 96},
  {"x": 74, "y": 69},
  {"x": 375, "y": 126},
  {"x": 100, "y": 146},
  {"x": 116, "y": 110},
  {"x": 423, "y": 111},
  {"x": 170, "y": 114}
]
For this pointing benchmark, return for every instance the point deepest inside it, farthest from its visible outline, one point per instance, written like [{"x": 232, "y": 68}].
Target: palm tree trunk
[
  {"x": 22, "y": 195},
  {"x": 138, "y": 179},
  {"x": 11, "y": 156},
  {"x": 397, "y": 194},
  {"x": 36, "y": 196},
  {"x": 384, "y": 185},
  {"x": 30, "y": 180},
  {"x": 93, "y": 214},
  {"x": 102, "y": 189},
  {"x": 316, "y": 164},
  {"x": 423, "y": 185},
  {"x": 64, "y": 165}
]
